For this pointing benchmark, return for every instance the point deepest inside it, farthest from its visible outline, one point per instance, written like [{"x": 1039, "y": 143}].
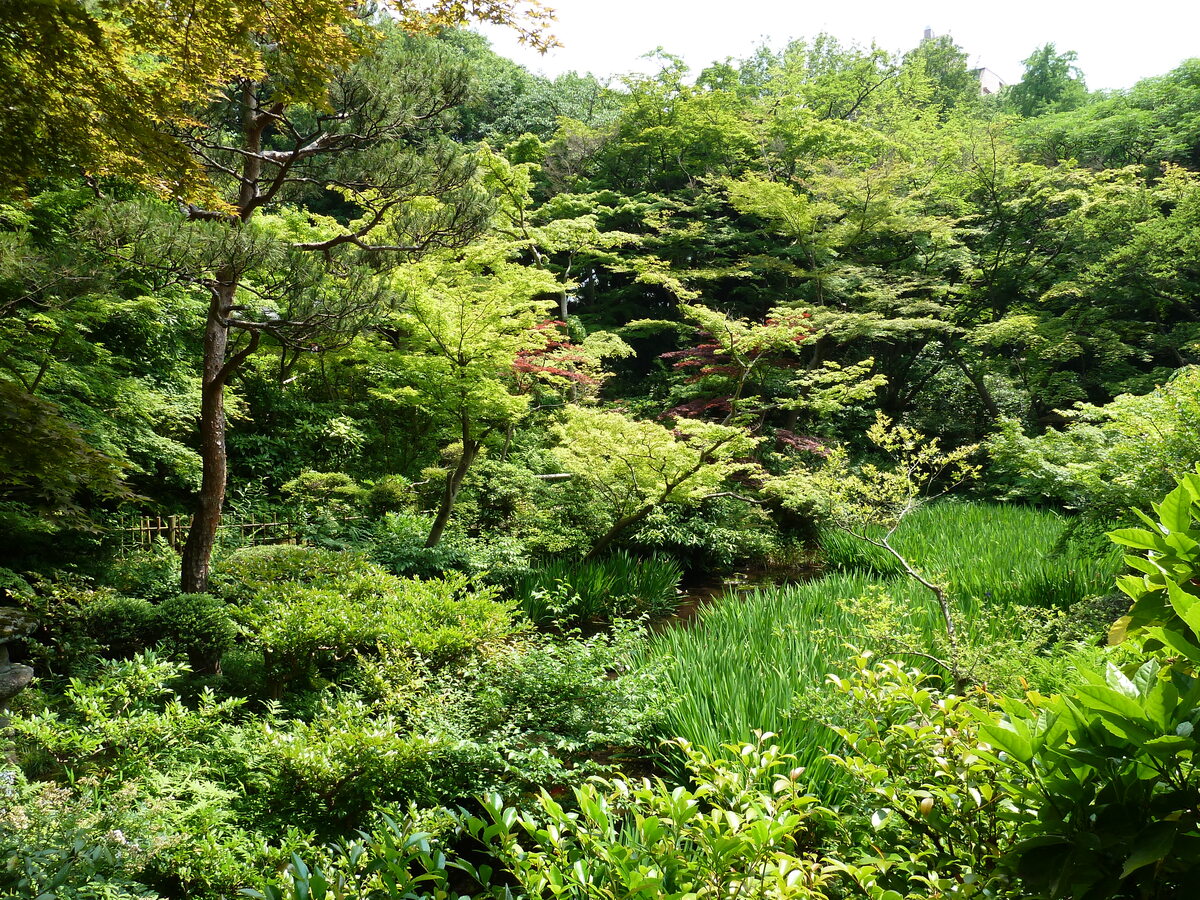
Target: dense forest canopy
[{"x": 365, "y": 396}]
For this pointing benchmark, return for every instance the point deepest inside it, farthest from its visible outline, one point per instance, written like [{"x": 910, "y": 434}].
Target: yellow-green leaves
[
  {"x": 633, "y": 462},
  {"x": 465, "y": 323}
]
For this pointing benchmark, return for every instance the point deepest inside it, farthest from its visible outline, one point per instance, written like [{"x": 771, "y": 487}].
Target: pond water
[{"x": 700, "y": 591}]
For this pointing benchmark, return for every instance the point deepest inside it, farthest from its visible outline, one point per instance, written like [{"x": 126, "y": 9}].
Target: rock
[
  {"x": 14, "y": 678},
  {"x": 15, "y": 623}
]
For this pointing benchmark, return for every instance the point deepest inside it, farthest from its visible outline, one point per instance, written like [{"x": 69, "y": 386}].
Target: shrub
[
  {"x": 718, "y": 534},
  {"x": 307, "y": 610},
  {"x": 937, "y": 800},
  {"x": 199, "y": 626},
  {"x": 1109, "y": 769},
  {"x": 151, "y": 574},
  {"x": 391, "y": 493},
  {"x": 1108, "y": 459},
  {"x": 250, "y": 569},
  {"x": 399, "y": 546},
  {"x": 348, "y": 759},
  {"x": 145, "y": 797},
  {"x": 742, "y": 830},
  {"x": 324, "y": 490},
  {"x": 121, "y": 626}
]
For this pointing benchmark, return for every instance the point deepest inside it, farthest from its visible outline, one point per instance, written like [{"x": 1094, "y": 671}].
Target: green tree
[
  {"x": 463, "y": 326},
  {"x": 1051, "y": 83},
  {"x": 944, "y": 63},
  {"x": 636, "y": 466}
]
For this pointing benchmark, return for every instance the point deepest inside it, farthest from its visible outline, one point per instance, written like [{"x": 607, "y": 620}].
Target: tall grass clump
[
  {"x": 570, "y": 592},
  {"x": 995, "y": 553},
  {"x": 739, "y": 668},
  {"x": 759, "y": 661}
]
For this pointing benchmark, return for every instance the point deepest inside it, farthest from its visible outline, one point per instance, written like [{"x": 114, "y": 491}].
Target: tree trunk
[
  {"x": 617, "y": 528},
  {"x": 986, "y": 400},
  {"x": 450, "y": 494},
  {"x": 197, "y": 551}
]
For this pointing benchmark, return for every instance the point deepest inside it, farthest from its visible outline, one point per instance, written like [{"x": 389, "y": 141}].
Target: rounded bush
[{"x": 198, "y": 625}]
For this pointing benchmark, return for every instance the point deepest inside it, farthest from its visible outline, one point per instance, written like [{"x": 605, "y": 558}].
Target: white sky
[{"x": 1117, "y": 44}]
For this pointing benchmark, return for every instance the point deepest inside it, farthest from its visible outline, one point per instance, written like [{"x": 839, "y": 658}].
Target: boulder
[
  {"x": 14, "y": 678},
  {"x": 15, "y": 624}
]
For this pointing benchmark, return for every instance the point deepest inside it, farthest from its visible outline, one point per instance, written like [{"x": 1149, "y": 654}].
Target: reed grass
[
  {"x": 743, "y": 664},
  {"x": 998, "y": 553},
  {"x": 619, "y": 585}
]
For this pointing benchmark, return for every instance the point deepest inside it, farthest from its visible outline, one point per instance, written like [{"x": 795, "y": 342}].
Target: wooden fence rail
[{"x": 144, "y": 531}]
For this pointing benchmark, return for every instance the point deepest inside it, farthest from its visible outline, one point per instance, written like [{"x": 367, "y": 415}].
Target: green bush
[
  {"x": 119, "y": 722},
  {"x": 1108, "y": 459},
  {"x": 742, "y": 829},
  {"x": 310, "y": 611},
  {"x": 198, "y": 626},
  {"x": 718, "y": 534},
  {"x": 391, "y": 493},
  {"x": 121, "y": 626},
  {"x": 398, "y": 544},
  {"x": 151, "y": 574},
  {"x": 143, "y": 794},
  {"x": 250, "y": 569},
  {"x": 937, "y": 801},
  {"x": 1109, "y": 769}
]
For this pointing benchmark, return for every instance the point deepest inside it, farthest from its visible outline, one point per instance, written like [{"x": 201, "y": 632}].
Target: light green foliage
[
  {"x": 56, "y": 846},
  {"x": 311, "y": 611},
  {"x": 1151, "y": 123},
  {"x": 740, "y": 666},
  {"x": 742, "y": 827},
  {"x": 467, "y": 324},
  {"x": 715, "y": 535},
  {"x": 398, "y": 544},
  {"x": 1109, "y": 458},
  {"x": 999, "y": 554},
  {"x": 853, "y": 496},
  {"x": 941, "y": 62},
  {"x": 1108, "y": 768},
  {"x": 759, "y": 660},
  {"x": 599, "y": 590},
  {"x": 564, "y": 696},
  {"x": 120, "y": 722},
  {"x": 939, "y": 805},
  {"x": 141, "y": 791},
  {"x": 536, "y": 711},
  {"x": 1163, "y": 593},
  {"x": 334, "y": 491},
  {"x": 741, "y": 361},
  {"x": 1051, "y": 83},
  {"x": 150, "y": 573},
  {"x": 467, "y": 320},
  {"x": 729, "y": 834},
  {"x": 564, "y": 239},
  {"x": 636, "y": 466}
]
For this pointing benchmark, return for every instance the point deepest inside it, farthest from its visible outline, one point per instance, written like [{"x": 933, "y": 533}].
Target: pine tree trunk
[{"x": 197, "y": 551}]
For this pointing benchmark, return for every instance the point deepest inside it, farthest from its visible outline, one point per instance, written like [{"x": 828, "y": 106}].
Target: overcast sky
[{"x": 1117, "y": 45}]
